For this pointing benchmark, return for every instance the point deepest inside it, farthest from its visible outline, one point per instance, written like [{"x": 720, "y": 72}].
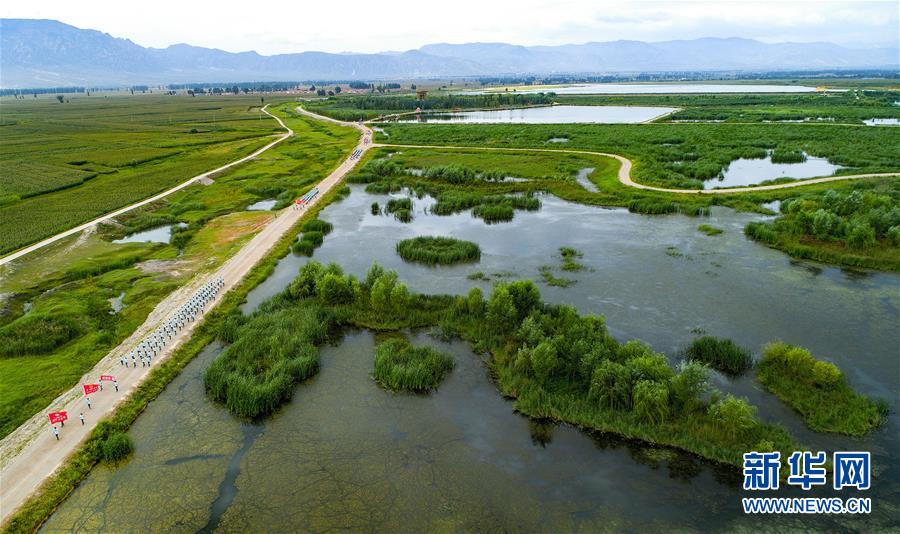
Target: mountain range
[{"x": 49, "y": 53}]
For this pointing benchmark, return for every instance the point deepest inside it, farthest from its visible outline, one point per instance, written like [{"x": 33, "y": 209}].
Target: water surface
[
  {"x": 744, "y": 171},
  {"x": 262, "y": 205},
  {"x": 662, "y": 88},
  {"x": 882, "y": 122},
  {"x": 547, "y": 115},
  {"x": 160, "y": 234}
]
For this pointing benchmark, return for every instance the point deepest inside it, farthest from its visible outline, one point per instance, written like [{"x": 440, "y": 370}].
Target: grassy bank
[{"x": 857, "y": 227}]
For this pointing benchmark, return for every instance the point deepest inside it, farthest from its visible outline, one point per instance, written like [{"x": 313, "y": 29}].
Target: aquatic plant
[
  {"x": 720, "y": 354},
  {"x": 818, "y": 391},
  {"x": 709, "y": 230},
  {"x": 272, "y": 352},
  {"x": 401, "y": 367},
  {"x": 432, "y": 250},
  {"x": 318, "y": 225}
]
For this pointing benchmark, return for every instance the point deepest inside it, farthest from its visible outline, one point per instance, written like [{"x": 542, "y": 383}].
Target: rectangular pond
[{"x": 548, "y": 115}]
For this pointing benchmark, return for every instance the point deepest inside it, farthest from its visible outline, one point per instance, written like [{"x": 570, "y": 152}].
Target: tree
[
  {"x": 611, "y": 385},
  {"x": 374, "y": 273},
  {"x": 687, "y": 387},
  {"x": 501, "y": 311},
  {"x": 733, "y": 416},
  {"x": 651, "y": 401},
  {"x": 399, "y": 298},
  {"x": 335, "y": 289},
  {"x": 304, "y": 286},
  {"x": 312, "y": 88},
  {"x": 861, "y": 235},
  {"x": 337, "y": 89},
  {"x": 543, "y": 361},
  {"x": 380, "y": 294},
  {"x": 60, "y": 98}
]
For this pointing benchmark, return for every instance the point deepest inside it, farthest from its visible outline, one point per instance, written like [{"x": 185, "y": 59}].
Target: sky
[{"x": 282, "y": 26}]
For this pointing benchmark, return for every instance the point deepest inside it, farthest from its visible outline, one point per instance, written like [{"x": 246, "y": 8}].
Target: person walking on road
[
  {"x": 88, "y": 399},
  {"x": 56, "y": 432},
  {"x": 116, "y": 384},
  {"x": 81, "y": 416}
]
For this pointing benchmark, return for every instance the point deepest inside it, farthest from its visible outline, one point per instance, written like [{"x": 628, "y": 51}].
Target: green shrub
[
  {"x": 117, "y": 447},
  {"x": 401, "y": 367},
  {"x": 818, "y": 391},
  {"x": 303, "y": 247},
  {"x": 432, "y": 250},
  {"x": 315, "y": 237},
  {"x": 720, "y": 354}
]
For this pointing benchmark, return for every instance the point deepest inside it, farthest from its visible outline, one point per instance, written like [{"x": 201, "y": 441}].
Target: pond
[
  {"x": 547, "y": 115},
  {"x": 663, "y": 88},
  {"x": 262, "y": 205},
  {"x": 160, "y": 234},
  {"x": 346, "y": 454},
  {"x": 882, "y": 122},
  {"x": 744, "y": 171}
]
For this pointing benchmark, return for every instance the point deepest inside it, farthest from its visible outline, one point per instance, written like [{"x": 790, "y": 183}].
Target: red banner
[
  {"x": 91, "y": 388},
  {"x": 107, "y": 378},
  {"x": 58, "y": 417}
]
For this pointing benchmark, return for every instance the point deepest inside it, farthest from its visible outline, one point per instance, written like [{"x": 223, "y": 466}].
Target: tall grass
[
  {"x": 432, "y": 250},
  {"x": 272, "y": 352},
  {"x": 818, "y": 391},
  {"x": 401, "y": 367},
  {"x": 719, "y": 353}
]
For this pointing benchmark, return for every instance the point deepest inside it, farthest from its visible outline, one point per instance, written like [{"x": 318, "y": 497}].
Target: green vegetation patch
[
  {"x": 432, "y": 250},
  {"x": 709, "y": 230},
  {"x": 818, "y": 391},
  {"x": 399, "y": 366},
  {"x": 270, "y": 355},
  {"x": 720, "y": 354},
  {"x": 859, "y": 228}
]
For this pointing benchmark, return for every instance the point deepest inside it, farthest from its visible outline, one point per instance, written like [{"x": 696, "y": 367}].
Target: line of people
[{"x": 153, "y": 344}]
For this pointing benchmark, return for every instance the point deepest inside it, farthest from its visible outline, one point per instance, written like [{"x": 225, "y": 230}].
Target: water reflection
[{"x": 160, "y": 234}]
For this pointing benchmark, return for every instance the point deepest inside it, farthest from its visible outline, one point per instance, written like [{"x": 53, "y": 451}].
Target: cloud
[{"x": 279, "y": 26}]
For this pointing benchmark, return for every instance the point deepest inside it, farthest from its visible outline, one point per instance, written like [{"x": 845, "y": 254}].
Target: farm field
[
  {"x": 62, "y": 164},
  {"x": 66, "y": 288}
]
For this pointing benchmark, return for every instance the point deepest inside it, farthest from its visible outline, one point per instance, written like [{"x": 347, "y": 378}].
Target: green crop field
[{"x": 64, "y": 164}]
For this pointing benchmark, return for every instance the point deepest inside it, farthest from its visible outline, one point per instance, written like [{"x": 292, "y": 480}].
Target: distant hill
[{"x": 48, "y": 53}]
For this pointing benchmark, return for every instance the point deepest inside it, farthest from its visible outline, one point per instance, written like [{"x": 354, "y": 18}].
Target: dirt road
[
  {"x": 625, "y": 171},
  {"x": 31, "y": 453},
  {"x": 199, "y": 178}
]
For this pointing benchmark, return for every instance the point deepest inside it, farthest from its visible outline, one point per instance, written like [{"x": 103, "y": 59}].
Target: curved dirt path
[
  {"x": 199, "y": 178},
  {"x": 31, "y": 454},
  {"x": 625, "y": 171}
]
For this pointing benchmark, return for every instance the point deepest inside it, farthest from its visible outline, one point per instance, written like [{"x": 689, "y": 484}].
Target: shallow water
[
  {"x": 117, "y": 302},
  {"x": 160, "y": 234},
  {"x": 882, "y": 122},
  {"x": 346, "y": 454},
  {"x": 582, "y": 178},
  {"x": 651, "y": 88},
  {"x": 745, "y": 171},
  {"x": 547, "y": 115},
  {"x": 262, "y": 205}
]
